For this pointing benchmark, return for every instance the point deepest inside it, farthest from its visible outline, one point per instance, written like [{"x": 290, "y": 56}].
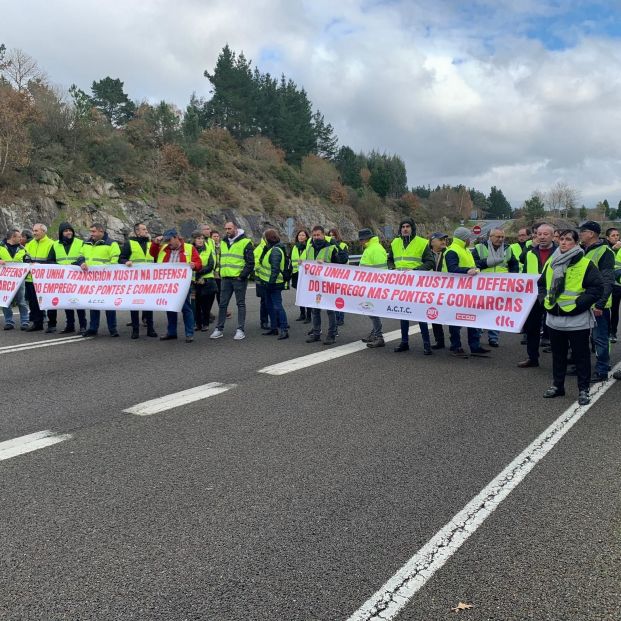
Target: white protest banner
[
  {"x": 487, "y": 300},
  {"x": 150, "y": 286},
  {"x": 12, "y": 275}
]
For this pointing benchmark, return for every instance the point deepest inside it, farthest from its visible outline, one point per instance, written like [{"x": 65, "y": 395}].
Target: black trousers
[
  {"x": 204, "y": 296},
  {"x": 36, "y": 314},
  {"x": 532, "y": 328},
  {"x": 146, "y": 315},
  {"x": 614, "y": 311},
  {"x": 438, "y": 333},
  {"x": 561, "y": 340}
]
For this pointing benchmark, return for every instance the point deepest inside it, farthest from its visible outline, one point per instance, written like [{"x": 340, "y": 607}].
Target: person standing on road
[
  {"x": 264, "y": 316},
  {"x": 204, "y": 282},
  {"x": 137, "y": 250},
  {"x": 171, "y": 248},
  {"x": 569, "y": 286},
  {"x": 324, "y": 251},
  {"x": 524, "y": 241},
  {"x": 68, "y": 250},
  {"x": 100, "y": 250},
  {"x": 373, "y": 255},
  {"x": 12, "y": 251},
  {"x": 613, "y": 239},
  {"x": 270, "y": 271},
  {"x": 495, "y": 257},
  {"x": 533, "y": 261},
  {"x": 298, "y": 254},
  {"x": 437, "y": 243},
  {"x": 409, "y": 251},
  {"x": 598, "y": 251},
  {"x": 335, "y": 234},
  {"x": 237, "y": 263},
  {"x": 38, "y": 251},
  {"x": 459, "y": 260}
]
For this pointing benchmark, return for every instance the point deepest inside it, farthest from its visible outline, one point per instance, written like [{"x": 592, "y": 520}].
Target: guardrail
[{"x": 354, "y": 259}]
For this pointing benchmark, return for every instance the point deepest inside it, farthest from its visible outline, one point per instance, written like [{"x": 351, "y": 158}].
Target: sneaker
[
  {"x": 50, "y": 330},
  {"x": 239, "y": 335},
  {"x": 329, "y": 340},
  {"x": 9, "y": 326},
  {"x": 493, "y": 343},
  {"x": 554, "y": 391},
  {"x": 216, "y": 334},
  {"x": 189, "y": 339},
  {"x": 24, "y": 326},
  {"x": 612, "y": 338},
  {"x": 313, "y": 338},
  {"x": 378, "y": 341},
  {"x": 584, "y": 398},
  {"x": 369, "y": 338}
]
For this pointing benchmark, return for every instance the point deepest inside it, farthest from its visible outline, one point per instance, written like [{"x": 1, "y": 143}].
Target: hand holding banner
[
  {"x": 153, "y": 286},
  {"x": 488, "y": 300}
]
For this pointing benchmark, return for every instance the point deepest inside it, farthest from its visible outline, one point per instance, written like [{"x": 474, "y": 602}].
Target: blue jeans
[
  {"x": 275, "y": 309},
  {"x": 602, "y": 344},
  {"x": 377, "y": 326},
  {"x": 22, "y": 305},
  {"x": 317, "y": 322},
  {"x": 424, "y": 332},
  {"x": 188, "y": 320},
  {"x": 474, "y": 338},
  {"x": 95, "y": 317},
  {"x": 340, "y": 317},
  {"x": 493, "y": 336}
]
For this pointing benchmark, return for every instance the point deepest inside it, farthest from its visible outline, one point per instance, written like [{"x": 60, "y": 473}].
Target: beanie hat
[
  {"x": 364, "y": 234},
  {"x": 410, "y": 222},
  {"x": 462, "y": 233}
]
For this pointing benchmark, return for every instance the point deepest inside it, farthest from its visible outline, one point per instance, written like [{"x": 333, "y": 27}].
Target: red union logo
[
  {"x": 432, "y": 313},
  {"x": 465, "y": 317},
  {"x": 138, "y": 301},
  {"x": 161, "y": 302},
  {"x": 118, "y": 301},
  {"x": 55, "y": 301},
  {"x": 339, "y": 303}
]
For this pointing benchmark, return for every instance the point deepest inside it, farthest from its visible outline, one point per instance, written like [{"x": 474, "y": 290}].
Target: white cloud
[{"x": 462, "y": 100}]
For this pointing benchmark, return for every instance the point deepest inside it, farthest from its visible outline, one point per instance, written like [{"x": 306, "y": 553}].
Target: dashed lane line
[
  {"x": 397, "y": 592},
  {"x": 295, "y": 364},
  {"x": 67, "y": 340},
  {"x": 29, "y": 443},
  {"x": 174, "y": 400}
]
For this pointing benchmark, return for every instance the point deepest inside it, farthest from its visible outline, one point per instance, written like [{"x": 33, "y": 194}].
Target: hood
[
  {"x": 62, "y": 227},
  {"x": 240, "y": 232},
  {"x": 411, "y": 223}
]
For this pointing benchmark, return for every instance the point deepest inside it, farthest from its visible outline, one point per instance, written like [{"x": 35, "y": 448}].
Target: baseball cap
[
  {"x": 438, "y": 235},
  {"x": 591, "y": 225},
  {"x": 169, "y": 234}
]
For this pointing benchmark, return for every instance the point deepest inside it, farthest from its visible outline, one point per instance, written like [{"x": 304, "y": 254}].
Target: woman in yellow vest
[
  {"x": 205, "y": 287},
  {"x": 569, "y": 286},
  {"x": 298, "y": 254},
  {"x": 11, "y": 251}
]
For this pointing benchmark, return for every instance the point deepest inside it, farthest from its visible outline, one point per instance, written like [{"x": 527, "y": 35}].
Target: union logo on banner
[{"x": 432, "y": 313}]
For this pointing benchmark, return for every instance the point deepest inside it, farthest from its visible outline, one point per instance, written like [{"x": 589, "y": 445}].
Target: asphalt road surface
[{"x": 298, "y": 494}]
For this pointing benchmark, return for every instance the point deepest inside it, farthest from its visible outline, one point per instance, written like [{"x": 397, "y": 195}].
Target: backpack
[{"x": 287, "y": 271}]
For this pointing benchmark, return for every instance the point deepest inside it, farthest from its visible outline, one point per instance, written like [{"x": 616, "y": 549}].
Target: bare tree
[
  {"x": 562, "y": 198},
  {"x": 19, "y": 68}
]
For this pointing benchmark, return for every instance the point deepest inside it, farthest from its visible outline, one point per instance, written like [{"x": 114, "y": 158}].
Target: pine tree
[
  {"x": 108, "y": 96},
  {"x": 326, "y": 141},
  {"x": 348, "y": 164},
  {"x": 499, "y": 206}
]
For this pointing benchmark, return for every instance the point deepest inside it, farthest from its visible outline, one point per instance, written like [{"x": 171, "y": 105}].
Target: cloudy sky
[{"x": 519, "y": 94}]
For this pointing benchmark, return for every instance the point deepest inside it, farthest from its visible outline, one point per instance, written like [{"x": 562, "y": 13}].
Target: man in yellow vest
[
  {"x": 38, "y": 251},
  {"x": 136, "y": 250},
  {"x": 236, "y": 265},
  {"x": 459, "y": 260},
  {"x": 68, "y": 251},
  {"x": 495, "y": 257},
  {"x": 409, "y": 251},
  {"x": 373, "y": 255},
  {"x": 171, "y": 248},
  {"x": 335, "y": 234},
  {"x": 598, "y": 251},
  {"x": 11, "y": 251},
  {"x": 100, "y": 249}
]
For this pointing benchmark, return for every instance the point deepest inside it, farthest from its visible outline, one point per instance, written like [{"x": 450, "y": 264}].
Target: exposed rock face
[{"x": 91, "y": 199}]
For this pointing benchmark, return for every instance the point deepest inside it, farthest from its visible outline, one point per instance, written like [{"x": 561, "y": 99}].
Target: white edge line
[
  {"x": 29, "y": 443},
  {"x": 177, "y": 399},
  {"x": 49, "y": 344},
  {"x": 295, "y": 364},
  {"x": 397, "y": 592},
  {"x": 75, "y": 337}
]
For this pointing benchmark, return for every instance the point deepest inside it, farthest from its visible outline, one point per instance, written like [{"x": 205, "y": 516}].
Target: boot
[
  {"x": 402, "y": 347},
  {"x": 329, "y": 340},
  {"x": 378, "y": 341},
  {"x": 367, "y": 339}
]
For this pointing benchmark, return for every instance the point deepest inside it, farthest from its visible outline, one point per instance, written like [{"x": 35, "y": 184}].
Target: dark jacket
[
  {"x": 209, "y": 267},
  {"x": 248, "y": 255},
  {"x": 606, "y": 267},
  {"x": 535, "y": 250},
  {"x": 338, "y": 255},
  {"x": 513, "y": 264},
  {"x": 592, "y": 283},
  {"x": 126, "y": 249},
  {"x": 437, "y": 260},
  {"x": 66, "y": 242},
  {"x": 428, "y": 263},
  {"x": 278, "y": 252}
]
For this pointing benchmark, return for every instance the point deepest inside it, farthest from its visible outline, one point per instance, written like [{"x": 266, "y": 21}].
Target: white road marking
[
  {"x": 29, "y": 443},
  {"x": 179, "y": 398},
  {"x": 67, "y": 340},
  {"x": 395, "y": 594},
  {"x": 295, "y": 364}
]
